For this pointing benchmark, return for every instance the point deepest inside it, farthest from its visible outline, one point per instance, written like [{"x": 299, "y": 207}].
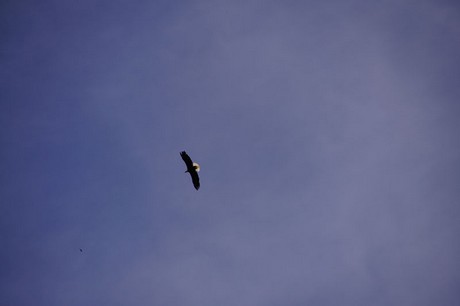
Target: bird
[{"x": 192, "y": 169}]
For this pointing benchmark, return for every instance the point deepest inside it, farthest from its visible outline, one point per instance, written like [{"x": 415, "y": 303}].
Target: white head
[{"x": 197, "y": 167}]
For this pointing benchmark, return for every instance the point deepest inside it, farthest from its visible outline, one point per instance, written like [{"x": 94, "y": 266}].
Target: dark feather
[
  {"x": 191, "y": 169},
  {"x": 187, "y": 159},
  {"x": 195, "y": 179}
]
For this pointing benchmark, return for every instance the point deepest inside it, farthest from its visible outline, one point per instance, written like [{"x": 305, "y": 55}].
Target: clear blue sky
[{"x": 327, "y": 134}]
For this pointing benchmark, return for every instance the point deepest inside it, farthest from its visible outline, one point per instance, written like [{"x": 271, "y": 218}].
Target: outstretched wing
[
  {"x": 191, "y": 169},
  {"x": 195, "y": 179},
  {"x": 187, "y": 159}
]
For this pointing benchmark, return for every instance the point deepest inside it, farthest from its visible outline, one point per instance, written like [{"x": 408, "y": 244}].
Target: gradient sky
[{"x": 327, "y": 132}]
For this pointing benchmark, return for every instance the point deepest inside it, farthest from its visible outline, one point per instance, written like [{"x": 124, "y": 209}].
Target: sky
[{"x": 327, "y": 134}]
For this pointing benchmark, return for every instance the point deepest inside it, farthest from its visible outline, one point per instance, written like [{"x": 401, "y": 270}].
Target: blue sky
[{"x": 327, "y": 134}]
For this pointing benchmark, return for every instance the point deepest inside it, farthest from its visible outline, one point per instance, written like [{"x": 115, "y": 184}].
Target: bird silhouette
[{"x": 192, "y": 169}]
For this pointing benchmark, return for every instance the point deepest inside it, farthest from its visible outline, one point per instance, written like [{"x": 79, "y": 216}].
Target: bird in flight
[{"x": 192, "y": 169}]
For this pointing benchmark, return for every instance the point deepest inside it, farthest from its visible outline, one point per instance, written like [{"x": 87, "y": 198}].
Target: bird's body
[{"x": 192, "y": 168}]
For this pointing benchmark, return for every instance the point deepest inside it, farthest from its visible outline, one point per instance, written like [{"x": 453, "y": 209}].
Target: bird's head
[{"x": 196, "y": 167}]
